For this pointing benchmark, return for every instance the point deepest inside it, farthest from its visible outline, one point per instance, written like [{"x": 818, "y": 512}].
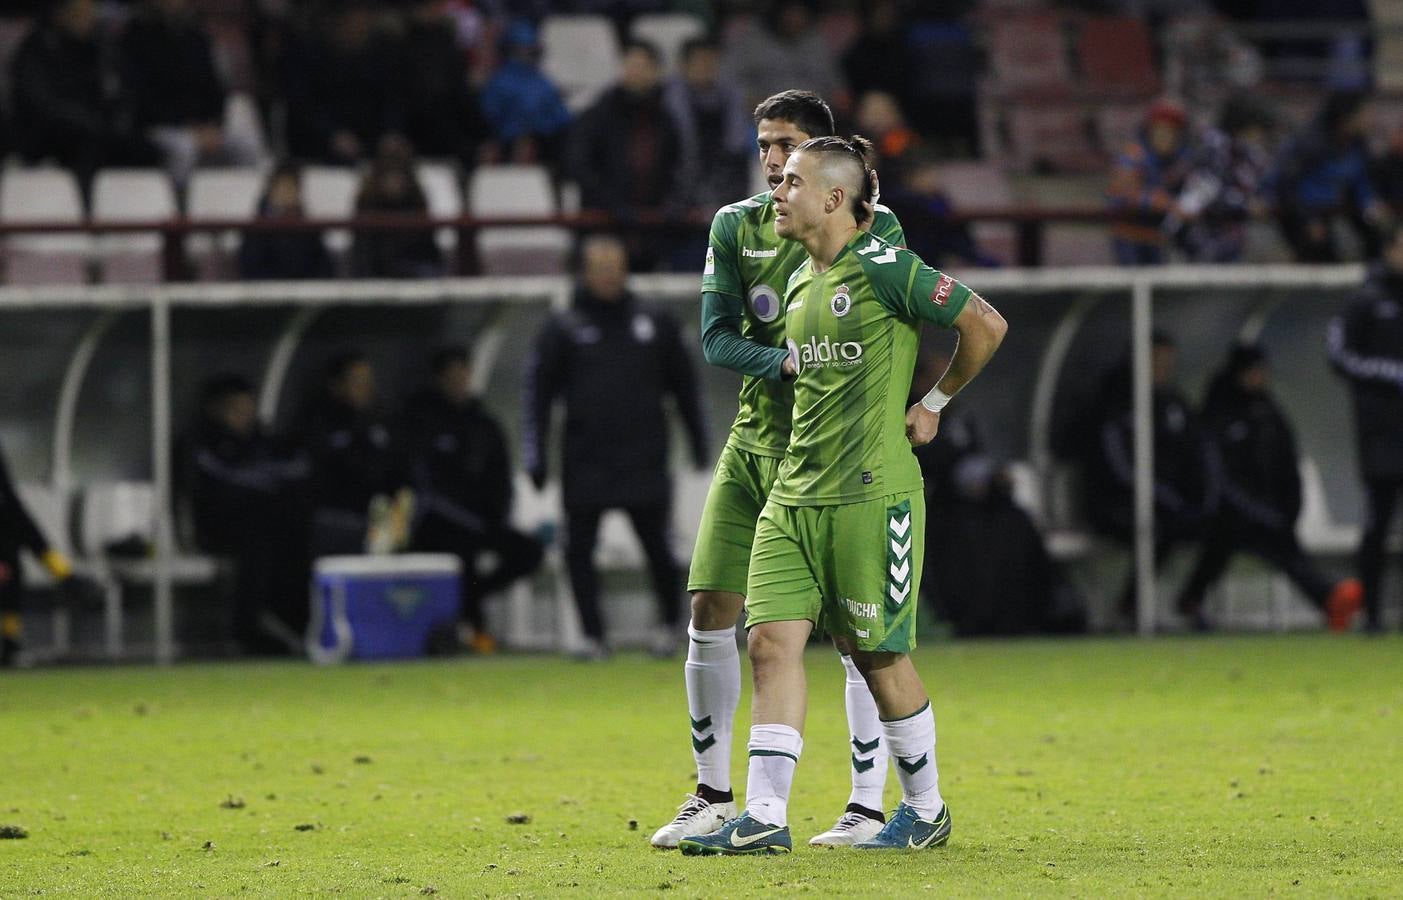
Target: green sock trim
[
  {"x": 774, "y": 753},
  {"x": 923, "y": 708}
]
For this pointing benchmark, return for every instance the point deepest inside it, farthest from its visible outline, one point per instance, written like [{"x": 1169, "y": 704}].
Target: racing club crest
[{"x": 842, "y": 301}]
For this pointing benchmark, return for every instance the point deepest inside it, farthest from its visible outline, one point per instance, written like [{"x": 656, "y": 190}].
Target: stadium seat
[
  {"x": 1052, "y": 136},
  {"x": 983, "y": 184},
  {"x": 668, "y": 32},
  {"x": 1117, "y": 57},
  {"x": 131, "y": 195},
  {"x": 329, "y": 192},
  {"x": 1076, "y": 245},
  {"x": 116, "y": 511},
  {"x": 581, "y": 55},
  {"x": 1316, "y": 528},
  {"x": 243, "y": 123},
  {"x": 1028, "y": 52},
  {"x": 441, "y": 187},
  {"x": 220, "y": 194},
  {"x": 44, "y": 195},
  {"x": 517, "y": 191}
]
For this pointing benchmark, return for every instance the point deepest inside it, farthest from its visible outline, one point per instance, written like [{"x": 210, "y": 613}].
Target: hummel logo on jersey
[
  {"x": 745, "y": 840},
  {"x": 824, "y": 352},
  {"x": 759, "y": 254},
  {"x": 797, "y": 304},
  {"x": 941, "y": 294},
  {"x": 880, "y": 259}
]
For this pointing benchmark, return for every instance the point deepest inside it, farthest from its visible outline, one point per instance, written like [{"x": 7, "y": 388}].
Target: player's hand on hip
[{"x": 921, "y": 425}]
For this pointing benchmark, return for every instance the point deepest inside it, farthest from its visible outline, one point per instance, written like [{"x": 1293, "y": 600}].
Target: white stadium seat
[
  {"x": 517, "y": 191},
  {"x": 44, "y": 195},
  {"x": 445, "y": 198},
  {"x": 329, "y": 192},
  {"x": 220, "y": 194},
  {"x": 581, "y": 56},
  {"x": 668, "y": 32},
  {"x": 132, "y": 195}
]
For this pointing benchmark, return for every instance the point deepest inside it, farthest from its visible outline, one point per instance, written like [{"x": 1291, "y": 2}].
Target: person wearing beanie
[{"x": 1146, "y": 182}]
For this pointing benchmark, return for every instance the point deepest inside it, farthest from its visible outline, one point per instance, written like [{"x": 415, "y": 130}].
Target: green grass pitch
[{"x": 1241, "y": 766}]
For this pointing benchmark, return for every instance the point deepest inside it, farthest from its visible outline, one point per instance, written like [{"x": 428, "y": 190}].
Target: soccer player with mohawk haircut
[
  {"x": 747, "y": 267},
  {"x": 839, "y": 543}
]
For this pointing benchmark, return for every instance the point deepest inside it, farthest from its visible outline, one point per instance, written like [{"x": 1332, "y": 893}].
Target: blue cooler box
[{"x": 380, "y": 607}]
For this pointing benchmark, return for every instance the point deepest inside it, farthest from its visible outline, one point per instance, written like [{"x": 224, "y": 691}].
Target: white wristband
[{"x": 935, "y": 400}]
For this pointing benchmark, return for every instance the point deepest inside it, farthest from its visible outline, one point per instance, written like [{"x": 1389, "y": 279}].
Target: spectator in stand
[
  {"x": 1185, "y": 479},
  {"x": 926, "y": 216},
  {"x": 177, "y": 95},
  {"x": 614, "y": 363},
  {"x": 390, "y": 186},
  {"x": 714, "y": 124},
  {"x": 622, "y": 149},
  {"x": 440, "y": 112},
  {"x": 881, "y": 59},
  {"x": 18, "y": 532},
  {"x": 783, "y": 50},
  {"x": 245, "y": 492},
  {"x": 879, "y": 118},
  {"x": 1261, "y": 492},
  {"x": 462, "y": 477},
  {"x": 1324, "y": 172},
  {"x": 341, "y": 80},
  {"x": 67, "y": 107},
  {"x": 1224, "y": 189},
  {"x": 358, "y": 467},
  {"x": 283, "y": 255},
  {"x": 1366, "y": 349},
  {"x": 527, "y": 118},
  {"x": 1146, "y": 182}
]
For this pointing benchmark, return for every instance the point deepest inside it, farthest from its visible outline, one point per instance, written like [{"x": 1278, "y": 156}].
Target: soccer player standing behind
[
  {"x": 747, "y": 267},
  {"x": 840, "y": 541}
]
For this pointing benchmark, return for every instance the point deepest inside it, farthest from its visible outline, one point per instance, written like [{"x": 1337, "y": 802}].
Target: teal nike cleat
[
  {"x": 742, "y": 835},
  {"x": 906, "y": 830}
]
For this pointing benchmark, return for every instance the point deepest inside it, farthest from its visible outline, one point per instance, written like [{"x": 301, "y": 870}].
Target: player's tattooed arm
[{"x": 981, "y": 329}]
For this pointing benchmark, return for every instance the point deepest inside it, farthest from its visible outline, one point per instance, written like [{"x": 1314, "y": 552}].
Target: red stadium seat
[
  {"x": 1117, "y": 57},
  {"x": 972, "y": 185},
  {"x": 1028, "y": 52},
  {"x": 1053, "y": 137}
]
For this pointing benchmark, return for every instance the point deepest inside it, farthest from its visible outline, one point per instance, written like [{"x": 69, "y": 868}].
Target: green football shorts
[
  {"x": 739, "y": 488},
  {"x": 853, "y": 570}
]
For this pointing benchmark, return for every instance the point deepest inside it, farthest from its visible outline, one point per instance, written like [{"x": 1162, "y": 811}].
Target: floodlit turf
[{"x": 1231, "y": 766}]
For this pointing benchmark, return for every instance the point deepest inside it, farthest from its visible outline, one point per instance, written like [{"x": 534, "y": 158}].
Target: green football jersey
[
  {"x": 853, "y": 331},
  {"x": 749, "y": 264}
]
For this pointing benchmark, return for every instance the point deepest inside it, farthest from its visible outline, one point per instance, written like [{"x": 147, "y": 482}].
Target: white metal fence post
[
  {"x": 161, "y": 477},
  {"x": 1143, "y": 411}
]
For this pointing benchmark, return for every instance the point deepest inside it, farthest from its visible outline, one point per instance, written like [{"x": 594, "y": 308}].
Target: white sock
[
  {"x": 713, "y": 692},
  {"x": 774, "y": 752},
  {"x": 912, "y": 741},
  {"x": 869, "y": 757}
]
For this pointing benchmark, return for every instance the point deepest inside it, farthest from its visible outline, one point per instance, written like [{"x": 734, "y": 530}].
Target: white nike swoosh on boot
[{"x": 746, "y": 840}]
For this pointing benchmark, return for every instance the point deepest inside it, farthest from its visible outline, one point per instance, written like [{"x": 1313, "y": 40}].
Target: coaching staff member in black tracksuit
[
  {"x": 1259, "y": 473},
  {"x": 1366, "y": 348},
  {"x": 612, "y": 361},
  {"x": 462, "y": 477}
]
